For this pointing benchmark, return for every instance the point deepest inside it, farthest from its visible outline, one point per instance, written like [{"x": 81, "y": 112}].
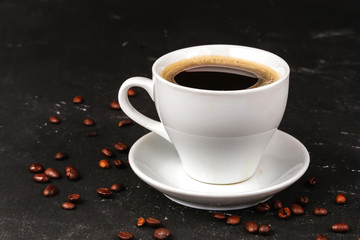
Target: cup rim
[{"x": 221, "y": 92}]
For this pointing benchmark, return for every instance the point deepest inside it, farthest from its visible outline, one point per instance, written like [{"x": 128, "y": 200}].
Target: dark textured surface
[{"x": 52, "y": 50}]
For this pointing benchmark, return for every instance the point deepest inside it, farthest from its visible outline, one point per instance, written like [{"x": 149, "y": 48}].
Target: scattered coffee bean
[
  {"x": 50, "y": 190},
  {"x": 68, "y": 205},
  {"x": 74, "y": 197},
  {"x": 54, "y": 119},
  {"x": 61, "y": 155},
  {"x": 251, "y": 227},
  {"x": 262, "y": 207},
  {"x": 36, "y": 168},
  {"x": 140, "y": 221},
  {"x": 277, "y": 204},
  {"x": 153, "y": 222},
  {"x": 41, "y": 177},
  {"x": 219, "y": 216},
  {"x": 284, "y": 213},
  {"x": 162, "y": 234},
  {"x": 296, "y": 209},
  {"x": 321, "y": 237},
  {"x": 118, "y": 163},
  {"x": 115, "y": 105},
  {"x": 120, "y": 146},
  {"x": 131, "y": 92},
  {"x": 104, "y": 192},
  {"x": 117, "y": 187},
  {"x": 303, "y": 200},
  {"x": 52, "y": 172},
  {"x": 264, "y": 229},
  {"x": 312, "y": 180},
  {"x": 340, "y": 227},
  {"x": 72, "y": 173},
  {"x": 320, "y": 211},
  {"x": 125, "y": 235},
  {"x": 341, "y": 198},
  {"x": 70, "y": 168},
  {"x": 78, "y": 99},
  {"x": 124, "y": 123},
  {"x": 104, "y": 163},
  {"x": 88, "y": 122},
  {"x": 107, "y": 152},
  {"x": 92, "y": 134},
  {"x": 233, "y": 220}
]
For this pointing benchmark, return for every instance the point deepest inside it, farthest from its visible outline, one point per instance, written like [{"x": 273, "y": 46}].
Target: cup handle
[{"x": 130, "y": 111}]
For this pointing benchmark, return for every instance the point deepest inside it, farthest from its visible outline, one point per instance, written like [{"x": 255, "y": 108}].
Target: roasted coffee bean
[
  {"x": 118, "y": 163},
  {"x": 233, "y": 220},
  {"x": 320, "y": 211},
  {"x": 92, "y": 134},
  {"x": 104, "y": 163},
  {"x": 50, "y": 190},
  {"x": 277, "y": 204},
  {"x": 68, "y": 205},
  {"x": 70, "y": 168},
  {"x": 284, "y": 213},
  {"x": 54, "y": 119},
  {"x": 72, "y": 173},
  {"x": 124, "y": 123},
  {"x": 296, "y": 209},
  {"x": 117, "y": 187},
  {"x": 162, "y": 234},
  {"x": 340, "y": 227},
  {"x": 312, "y": 180},
  {"x": 303, "y": 200},
  {"x": 251, "y": 227},
  {"x": 140, "y": 221},
  {"x": 120, "y": 146},
  {"x": 125, "y": 235},
  {"x": 52, "y": 172},
  {"x": 153, "y": 222},
  {"x": 262, "y": 207},
  {"x": 88, "y": 122},
  {"x": 74, "y": 197},
  {"x": 219, "y": 216},
  {"x": 115, "y": 105},
  {"x": 131, "y": 92},
  {"x": 78, "y": 99},
  {"x": 36, "y": 168},
  {"x": 341, "y": 198},
  {"x": 41, "y": 177},
  {"x": 61, "y": 155},
  {"x": 321, "y": 237},
  {"x": 264, "y": 229},
  {"x": 107, "y": 152},
  {"x": 104, "y": 192}
]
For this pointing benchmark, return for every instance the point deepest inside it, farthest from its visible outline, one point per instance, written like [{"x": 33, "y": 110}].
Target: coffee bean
[
  {"x": 321, "y": 237},
  {"x": 140, "y": 221},
  {"x": 251, "y": 227},
  {"x": 50, "y": 190},
  {"x": 219, "y": 216},
  {"x": 72, "y": 173},
  {"x": 104, "y": 192},
  {"x": 120, "y": 146},
  {"x": 78, "y": 99},
  {"x": 340, "y": 227},
  {"x": 74, "y": 197},
  {"x": 284, "y": 213},
  {"x": 104, "y": 163},
  {"x": 296, "y": 209},
  {"x": 52, "y": 172},
  {"x": 341, "y": 198},
  {"x": 61, "y": 155},
  {"x": 54, "y": 119},
  {"x": 41, "y": 177},
  {"x": 68, "y": 205},
  {"x": 153, "y": 222},
  {"x": 277, "y": 204},
  {"x": 262, "y": 207},
  {"x": 303, "y": 200},
  {"x": 117, "y": 187},
  {"x": 131, "y": 92},
  {"x": 312, "y": 181},
  {"x": 264, "y": 229},
  {"x": 162, "y": 234},
  {"x": 233, "y": 220},
  {"x": 92, "y": 134},
  {"x": 36, "y": 168},
  {"x": 70, "y": 168},
  {"x": 124, "y": 123},
  {"x": 118, "y": 163},
  {"x": 125, "y": 235},
  {"x": 107, "y": 152},
  {"x": 320, "y": 211},
  {"x": 88, "y": 122},
  {"x": 115, "y": 105}
]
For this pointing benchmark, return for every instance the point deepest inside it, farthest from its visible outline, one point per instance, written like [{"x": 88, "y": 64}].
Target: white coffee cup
[{"x": 220, "y": 136}]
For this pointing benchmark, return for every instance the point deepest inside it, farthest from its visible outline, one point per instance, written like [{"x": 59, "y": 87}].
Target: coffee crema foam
[{"x": 265, "y": 74}]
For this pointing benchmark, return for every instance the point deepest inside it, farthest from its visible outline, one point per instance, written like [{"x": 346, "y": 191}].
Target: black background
[{"x": 52, "y": 50}]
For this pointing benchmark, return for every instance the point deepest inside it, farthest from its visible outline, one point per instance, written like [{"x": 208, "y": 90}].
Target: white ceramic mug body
[{"x": 220, "y": 136}]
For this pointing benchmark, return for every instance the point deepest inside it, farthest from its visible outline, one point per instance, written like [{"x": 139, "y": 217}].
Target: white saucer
[{"x": 157, "y": 163}]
